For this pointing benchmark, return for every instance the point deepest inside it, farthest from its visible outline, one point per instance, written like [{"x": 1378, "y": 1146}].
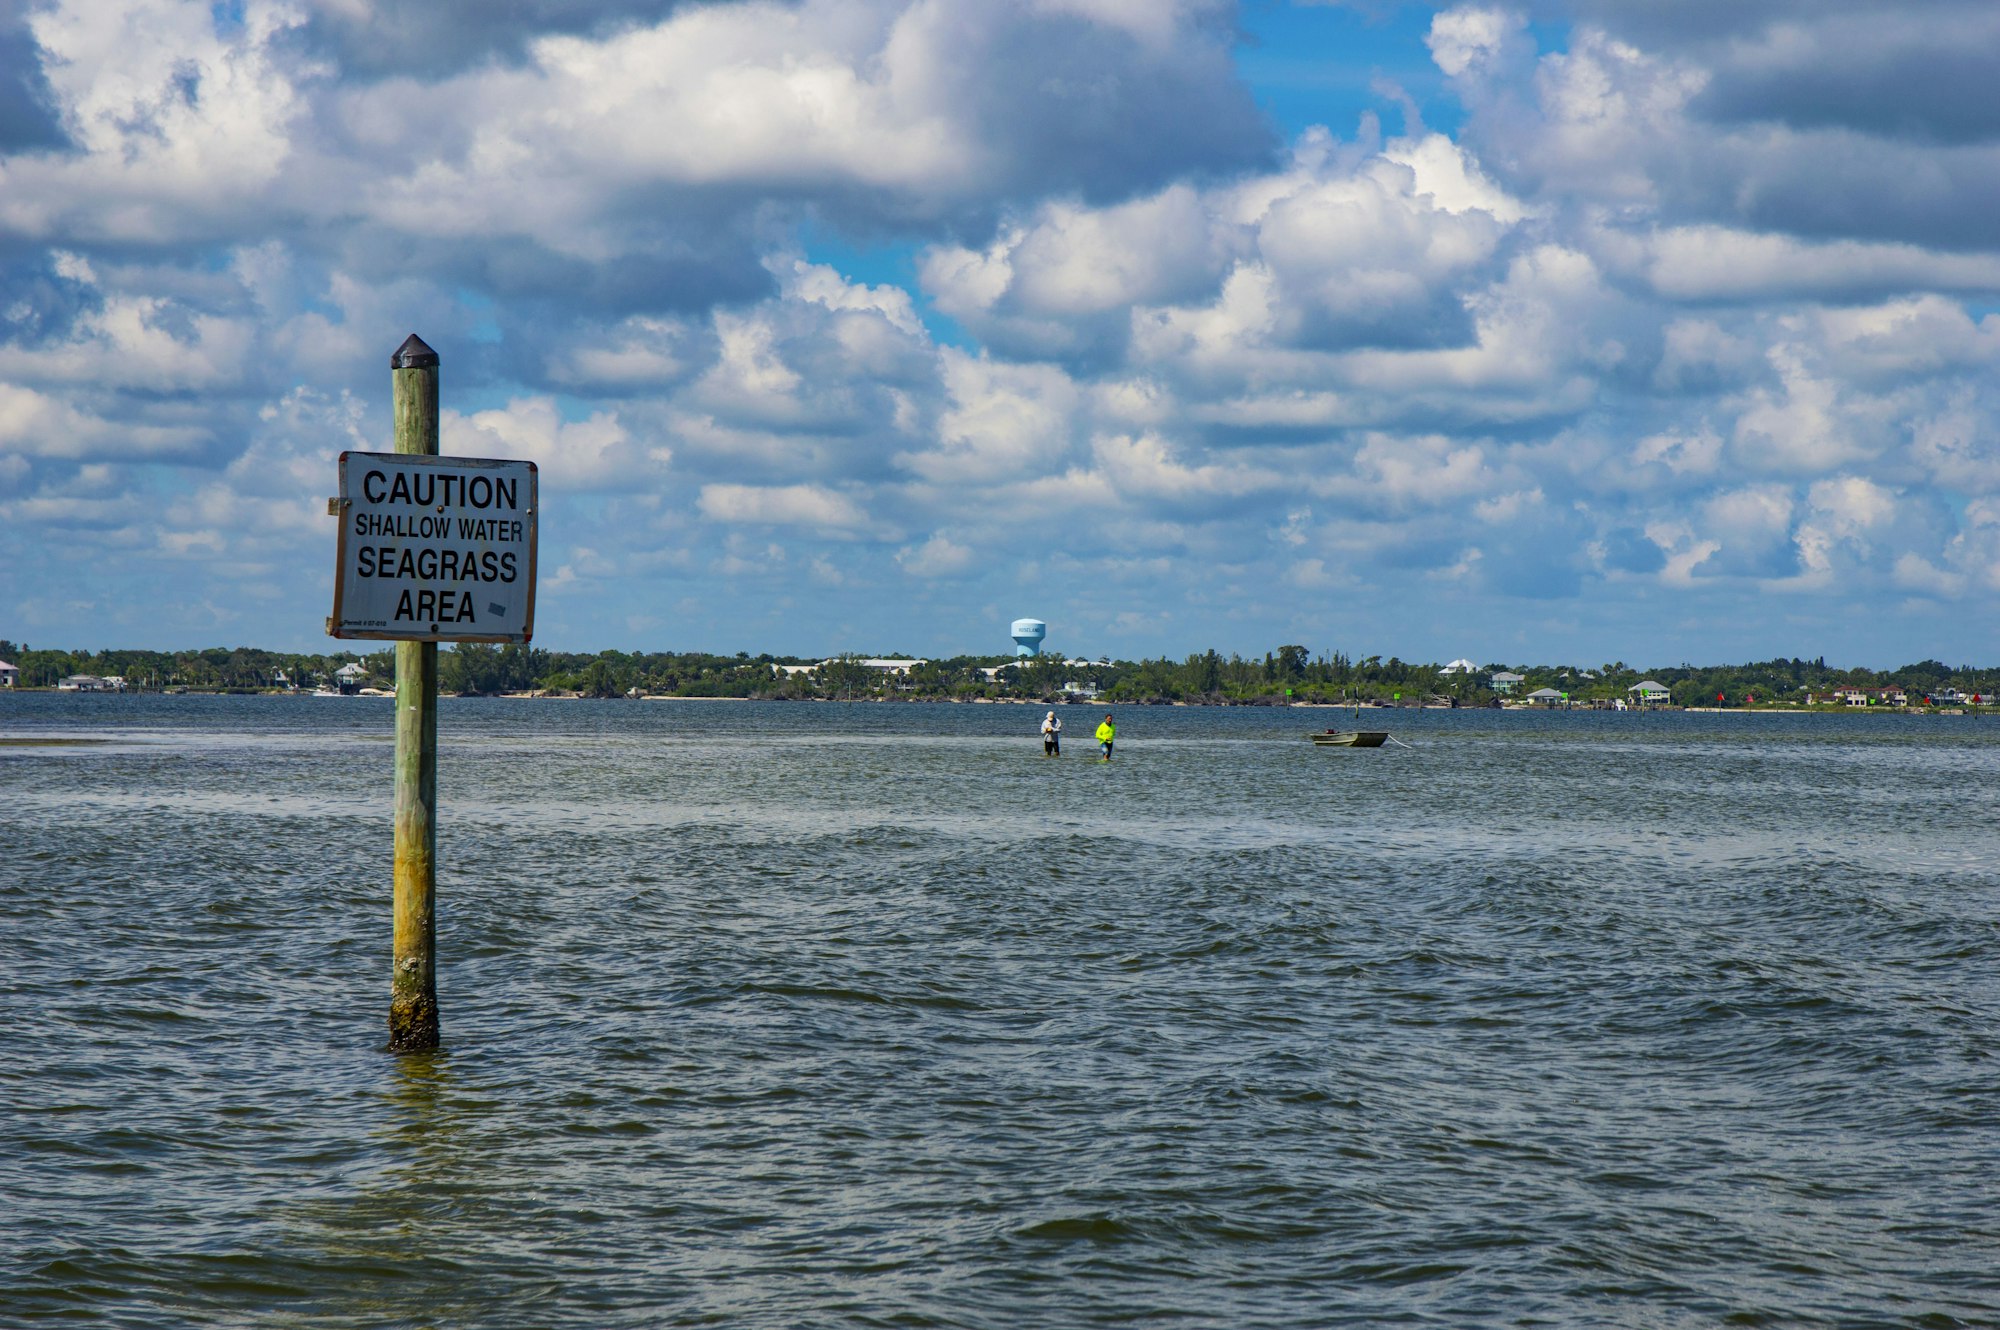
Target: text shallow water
[{"x": 774, "y": 1015}]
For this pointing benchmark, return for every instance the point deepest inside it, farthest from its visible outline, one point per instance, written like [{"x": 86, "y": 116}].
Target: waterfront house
[
  {"x": 896, "y": 668},
  {"x": 1506, "y": 681},
  {"x": 9, "y": 674},
  {"x": 1649, "y": 693},
  {"x": 1545, "y": 697}
]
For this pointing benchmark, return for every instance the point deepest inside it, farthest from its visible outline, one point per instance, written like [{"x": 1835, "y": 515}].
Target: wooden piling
[{"x": 413, "y": 1011}]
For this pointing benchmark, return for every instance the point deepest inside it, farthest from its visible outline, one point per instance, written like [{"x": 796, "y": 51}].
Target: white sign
[{"x": 434, "y": 549}]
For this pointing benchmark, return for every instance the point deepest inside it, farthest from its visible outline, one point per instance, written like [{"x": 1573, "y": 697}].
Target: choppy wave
[{"x": 869, "y": 1016}]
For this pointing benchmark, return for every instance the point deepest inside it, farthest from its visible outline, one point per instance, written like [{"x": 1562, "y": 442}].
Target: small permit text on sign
[{"x": 435, "y": 549}]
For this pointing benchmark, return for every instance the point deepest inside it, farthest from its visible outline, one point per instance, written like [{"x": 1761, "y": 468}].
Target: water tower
[{"x": 1028, "y": 635}]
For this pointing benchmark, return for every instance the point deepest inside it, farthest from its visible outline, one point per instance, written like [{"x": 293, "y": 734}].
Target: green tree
[
  {"x": 600, "y": 679},
  {"x": 846, "y": 677}
]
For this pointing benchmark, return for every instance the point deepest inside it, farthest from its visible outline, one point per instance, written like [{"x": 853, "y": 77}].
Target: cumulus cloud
[
  {"x": 939, "y": 556},
  {"x": 782, "y": 505},
  {"x": 593, "y": 453},
  {"x": 1002, "y": 422},
  {"x": 1692, "y": 306},
  {"x": 1470, "y": 38},
  {"x": 169, "y": 121},
  {"x": 1708, "y": 263}
]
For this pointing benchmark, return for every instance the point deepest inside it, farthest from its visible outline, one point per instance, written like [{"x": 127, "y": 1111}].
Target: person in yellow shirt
[{"x": 1107, "y": 733}]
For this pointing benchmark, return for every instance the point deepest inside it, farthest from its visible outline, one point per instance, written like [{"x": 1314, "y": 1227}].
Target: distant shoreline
[{"x": 1043, "y": 702}]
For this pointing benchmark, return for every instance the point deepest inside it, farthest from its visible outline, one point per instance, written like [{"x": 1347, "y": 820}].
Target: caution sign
[{"x": 434, "y": 549}]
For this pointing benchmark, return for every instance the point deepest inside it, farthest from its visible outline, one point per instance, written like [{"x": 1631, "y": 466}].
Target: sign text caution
[{"x": 435, "y": 549}]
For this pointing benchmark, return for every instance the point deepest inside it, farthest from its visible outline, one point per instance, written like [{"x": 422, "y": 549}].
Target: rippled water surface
[{"x": 819, "y": 1015}]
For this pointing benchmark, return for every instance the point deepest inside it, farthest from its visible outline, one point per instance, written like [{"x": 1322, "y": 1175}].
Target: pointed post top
[{"x": 413, "y": 354}]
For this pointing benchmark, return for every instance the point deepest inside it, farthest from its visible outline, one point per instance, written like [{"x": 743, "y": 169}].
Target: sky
[{"x": 1570, "y": 331}]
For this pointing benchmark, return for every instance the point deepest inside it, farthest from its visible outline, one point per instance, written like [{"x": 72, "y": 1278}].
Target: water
[{"x": 817, "y": 1015}]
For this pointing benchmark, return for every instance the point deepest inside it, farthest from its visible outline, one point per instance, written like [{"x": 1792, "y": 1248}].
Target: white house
[
  {"x": 899, "y": 668},
  {"x": 1545, "y": 697},
  {"x": 1460, "y": 666},
  {"x": 1650, "y": 693},
  {"x": 895, "y": 669},
  {"x": 90, "y": 683},
  {"x": 9, "y": 674},
  {"x": 352, "y": 672}
]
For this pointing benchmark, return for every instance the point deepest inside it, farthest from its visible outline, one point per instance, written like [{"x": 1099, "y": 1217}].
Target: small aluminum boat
[{"x": 1350, "y": 738}]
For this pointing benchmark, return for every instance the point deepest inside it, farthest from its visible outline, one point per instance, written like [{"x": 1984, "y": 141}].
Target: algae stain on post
[{"x": 413, "y": 1009}]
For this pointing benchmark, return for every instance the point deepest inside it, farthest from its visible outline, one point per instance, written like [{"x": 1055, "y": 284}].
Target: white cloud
[
  {"x": 1664, "y": 314},
  {"x": 1145, "y": 467},
  {"x": 1424, "y": 471},
  {"x": 1695, "y": 452},
  {"x": 1314, "y": 575},
  {"x": 1700, "y": 354},
  {"x": 36, "y": 424},
  {"x": 173, "y": 121},
  {"x": 1800, "y": 427},
  {"x": 639, "y": 353},
  {"x": 1463, "y": 39},
  {"x": 1913, "y": 572},
  {"x": 1446, "y": 175},
  {"x": 1004, "y": 422},
  {"x": 1845, "y": 516},
  {"x": 1903, "y": 339},
  {"x": 596, "y": 453},
  {"x": 782, "y": 505},
  {"x": 937, "y": 557},
  {"x": 120, "y": 339},
  {"x": 1727, "y": 263},
  {"x": 1078, "y": 260},
  {"x": 1956, "y": 444}
]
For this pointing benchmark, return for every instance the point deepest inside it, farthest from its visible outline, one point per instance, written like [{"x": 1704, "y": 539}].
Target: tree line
[{"x": 1288, "y": 673}]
